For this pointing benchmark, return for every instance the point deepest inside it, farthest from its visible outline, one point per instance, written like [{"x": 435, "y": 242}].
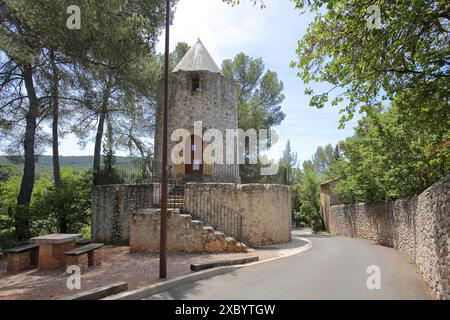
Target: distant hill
[{"x": 80, "y": 163}]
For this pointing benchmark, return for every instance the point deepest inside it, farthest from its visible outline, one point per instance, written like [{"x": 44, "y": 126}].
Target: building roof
[
  {"x": 197, "y": 59},
  {"x": 329, "y": 181}
]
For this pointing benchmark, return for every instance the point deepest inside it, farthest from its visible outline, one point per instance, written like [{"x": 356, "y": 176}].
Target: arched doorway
[{"x": 194, "y": 162}]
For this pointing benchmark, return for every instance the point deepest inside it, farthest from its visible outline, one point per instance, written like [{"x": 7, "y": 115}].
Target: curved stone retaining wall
[
  {"x": 265, "y": 209},
  {"x": 418, "y": 227}
]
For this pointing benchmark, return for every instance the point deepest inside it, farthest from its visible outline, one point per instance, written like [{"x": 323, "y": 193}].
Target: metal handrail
[{"x": 214, "y": 213}]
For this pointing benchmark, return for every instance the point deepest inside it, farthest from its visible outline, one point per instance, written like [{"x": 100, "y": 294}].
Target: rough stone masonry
[{"x": 265, "y": 209}]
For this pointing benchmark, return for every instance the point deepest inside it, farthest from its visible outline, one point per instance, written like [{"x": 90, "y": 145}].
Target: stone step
[
  {"x": 197, "y": 223},
  {"x": 171, "y": 206},
  {"x": 229, "y": 244},
  {"x": 209, "y": 229},
  {"x": 241, "y": 247},
  {"x": 186, "y": 217},
  {"x": 232, "y": 245}
]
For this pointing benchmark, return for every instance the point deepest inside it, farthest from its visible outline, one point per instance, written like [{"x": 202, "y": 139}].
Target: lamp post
[{"x": 164, "y": 182}]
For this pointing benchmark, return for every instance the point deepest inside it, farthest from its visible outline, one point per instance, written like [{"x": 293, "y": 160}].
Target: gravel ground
[{"x": 118, "y": 264}]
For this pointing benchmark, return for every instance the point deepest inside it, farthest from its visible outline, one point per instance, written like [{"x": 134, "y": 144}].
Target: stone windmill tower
[{"x": 199, "y": 92}]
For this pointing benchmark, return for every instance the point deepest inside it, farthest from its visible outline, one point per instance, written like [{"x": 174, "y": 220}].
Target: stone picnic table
[{"x": 52, "y": 248}]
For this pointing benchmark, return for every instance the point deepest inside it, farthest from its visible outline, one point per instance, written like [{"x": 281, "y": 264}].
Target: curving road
[{"x": 335, "y": 268}]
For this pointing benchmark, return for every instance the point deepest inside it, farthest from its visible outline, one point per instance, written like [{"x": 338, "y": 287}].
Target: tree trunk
[
  {"x": 62, "y": 221},
  {"x": 22, "y": 219},
  {"x": 100, "y": 131}
]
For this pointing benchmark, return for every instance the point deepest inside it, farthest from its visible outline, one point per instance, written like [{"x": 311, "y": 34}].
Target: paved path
[{"x": 335, "y": 268}]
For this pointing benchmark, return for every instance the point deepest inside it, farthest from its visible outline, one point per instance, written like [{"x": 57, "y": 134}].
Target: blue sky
[{"x": 271, "y": 34}]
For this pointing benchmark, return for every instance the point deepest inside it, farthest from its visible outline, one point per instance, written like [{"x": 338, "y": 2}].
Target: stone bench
[
  {"x": 22, "y": 258},
  {"x": 85, "y": 256}
]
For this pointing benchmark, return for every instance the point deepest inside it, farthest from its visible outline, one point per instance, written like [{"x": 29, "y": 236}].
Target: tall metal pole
[{"x": 164, "y": 185}]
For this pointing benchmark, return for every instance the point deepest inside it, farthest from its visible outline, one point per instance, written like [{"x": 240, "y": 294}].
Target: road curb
[
  {"x": 291, "y": 253},
  {"x": 221, "y": 263},
  {"x": 146, "y": 292},
  {"x": 99, "y": 293}
]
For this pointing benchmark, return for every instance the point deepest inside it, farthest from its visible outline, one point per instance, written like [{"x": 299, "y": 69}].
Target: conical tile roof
[{"x": 197, "y": 59}]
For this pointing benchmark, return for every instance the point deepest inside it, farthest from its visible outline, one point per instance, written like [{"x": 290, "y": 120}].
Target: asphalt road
[{"x": 335, "y": 268}]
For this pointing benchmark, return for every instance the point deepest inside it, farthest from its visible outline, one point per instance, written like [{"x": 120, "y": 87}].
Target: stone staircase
[
  {"x": 214, "y": 241},
  {"x": 211, "y": 239},
  {"x": 184, "y": 234}
]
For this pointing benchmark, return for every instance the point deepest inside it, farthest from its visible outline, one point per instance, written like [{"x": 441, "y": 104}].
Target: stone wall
[
  {"x": 265, "y": 209},
  {"x": 418, "y": 227},
  {"x": 112, "y": 207}
]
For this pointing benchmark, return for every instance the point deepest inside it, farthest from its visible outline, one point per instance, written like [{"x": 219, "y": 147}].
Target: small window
[{"x": 195, "y": 83}]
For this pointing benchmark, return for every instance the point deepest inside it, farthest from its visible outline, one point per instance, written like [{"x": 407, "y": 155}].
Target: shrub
[{"x": 48, "y": 204}]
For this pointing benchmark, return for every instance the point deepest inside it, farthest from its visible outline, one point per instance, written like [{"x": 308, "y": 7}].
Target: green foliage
[
  {"x": 73, "y": 199},
  {"x": 109, "y": 174},
  {"x": 296, "y": 198},
  {"x": 7, "y": 240},
  {"x": 388, "y": 159},
  {"x": 7, "y": 171},
  {"x": 309, "y": 194},
  {"x": 180, "y": 51},
  {"x": 407, "y": 58},
  {"x": 323, "y": 158},
  {"x": 113, "y": 176},
  {"x": 398, "y": 76},
  {"x": 260, "y": 94},
  {"x": 306, "y": 193},
  {"x": 86, "y": 232},
  {"x": 289, "y": 161},
  {"x": 75, "y": 78}
]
